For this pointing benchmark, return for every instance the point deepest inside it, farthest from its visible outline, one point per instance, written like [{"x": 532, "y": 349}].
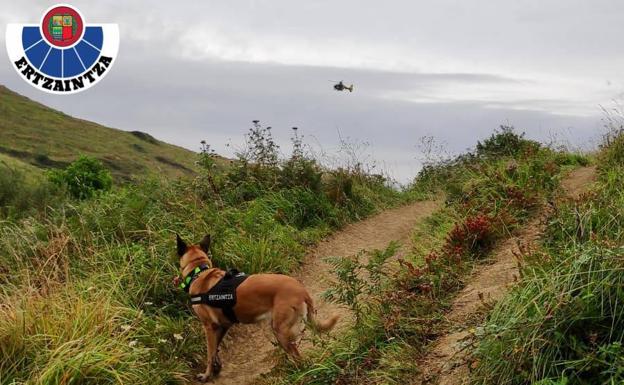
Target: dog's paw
[
  {"x": 216, "y": 367},
  {"x": 202, "y": 377}
]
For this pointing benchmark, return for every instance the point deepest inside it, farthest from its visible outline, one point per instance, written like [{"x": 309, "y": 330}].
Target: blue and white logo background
[{"x": 62, "y": 63}]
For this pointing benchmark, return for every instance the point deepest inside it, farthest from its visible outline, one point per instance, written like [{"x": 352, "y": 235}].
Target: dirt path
[
  {"x": 248, "y": 350},
  {"x": 578, "y": 181},
  {"x": 445, "y": 364}
]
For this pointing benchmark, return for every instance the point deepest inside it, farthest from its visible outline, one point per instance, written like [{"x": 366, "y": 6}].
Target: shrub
[
  {"x": 299, "y": 170},
  {"x": 506, "y": 142},
  {"x": 339, "y": 186},
  {"x": 208, "y": 181},
  {"x": 505, "y": 145},
  {"x": 358, "y": 280},
  {"x": 83, "y": 178},
  {"x": 257, "y": 167},
  {"x": 473, "y": 237}
]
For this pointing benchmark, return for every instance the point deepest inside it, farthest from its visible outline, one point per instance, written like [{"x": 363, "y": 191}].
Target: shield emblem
[{"x": 62, "y": 27}]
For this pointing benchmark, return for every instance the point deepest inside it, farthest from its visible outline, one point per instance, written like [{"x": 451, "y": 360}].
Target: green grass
[
  {"x": 46, "y": 138},
  {"x": 30, "y": 172},
  {"x": 563, "y": 323},
  {"x": 24, "y": 190}
]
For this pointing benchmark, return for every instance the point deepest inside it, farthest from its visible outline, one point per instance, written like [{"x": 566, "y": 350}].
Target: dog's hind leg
[{"x": 287, "y": 327}]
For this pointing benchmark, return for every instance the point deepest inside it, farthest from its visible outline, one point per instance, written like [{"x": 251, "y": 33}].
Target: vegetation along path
[
  {"x": 248, "y": 351},
  {"x": 445, "y": 364}
]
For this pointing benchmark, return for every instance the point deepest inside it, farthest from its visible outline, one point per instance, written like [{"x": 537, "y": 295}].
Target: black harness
[{"x": 222, "y": 295}]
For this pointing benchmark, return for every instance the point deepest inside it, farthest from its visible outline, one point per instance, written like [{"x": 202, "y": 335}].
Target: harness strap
[
  {"x": 228, "y": 311},
  {"x": 222, "y": 295}
]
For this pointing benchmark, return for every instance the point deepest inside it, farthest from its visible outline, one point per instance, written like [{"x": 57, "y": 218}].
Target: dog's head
[{"x": 194, "y": 254}]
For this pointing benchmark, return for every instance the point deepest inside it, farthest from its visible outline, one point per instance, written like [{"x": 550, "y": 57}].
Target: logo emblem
[{"x": 62, "y": 54}]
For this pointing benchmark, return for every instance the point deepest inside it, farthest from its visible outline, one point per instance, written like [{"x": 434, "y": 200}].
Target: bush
[
  {"x": 473, "y": 237},
  {"x": 83, "y": 178},
  {"x": 506, "y": 142},
  {"x": 504, "y": 148},
  {"x": 301, "y": 172}
]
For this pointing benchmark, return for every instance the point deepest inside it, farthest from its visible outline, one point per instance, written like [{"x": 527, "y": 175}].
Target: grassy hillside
[
  {"x": 17, "y": 164},
  {"x": 47, "y": 138},
  {"x": 85, "y": 284}
]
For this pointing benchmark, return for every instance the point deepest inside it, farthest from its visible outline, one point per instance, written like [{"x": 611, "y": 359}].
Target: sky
[{"x": 455, "y": 70}]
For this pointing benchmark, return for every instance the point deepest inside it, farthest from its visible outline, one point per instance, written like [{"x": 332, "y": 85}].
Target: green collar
[{"x": 186, "y": 281}]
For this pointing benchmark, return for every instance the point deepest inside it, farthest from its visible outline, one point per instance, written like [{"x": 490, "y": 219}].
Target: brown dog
[{"x": 280, "y": 298}]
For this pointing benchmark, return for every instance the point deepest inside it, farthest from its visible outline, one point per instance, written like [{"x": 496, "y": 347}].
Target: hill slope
[{"x": 46, "y": 138}]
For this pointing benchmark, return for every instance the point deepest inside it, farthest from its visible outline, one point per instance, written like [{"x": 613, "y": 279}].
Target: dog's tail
[{"x": 319, "y": 326}]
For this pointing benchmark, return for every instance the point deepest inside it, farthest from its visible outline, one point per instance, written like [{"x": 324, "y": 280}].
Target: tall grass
[
  {"x": 23, "y": 194},
  {"x": 86, "y": 293},
  {"x": 563, "y": 324}
]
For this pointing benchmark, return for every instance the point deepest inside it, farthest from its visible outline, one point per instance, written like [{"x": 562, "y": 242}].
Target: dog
[{"x": 280, "y": 298}]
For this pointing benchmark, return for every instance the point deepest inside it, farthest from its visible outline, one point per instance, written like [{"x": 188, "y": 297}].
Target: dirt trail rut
[
  {"x": 445, "y": 364},
  {"x": 247, "y": 352}
]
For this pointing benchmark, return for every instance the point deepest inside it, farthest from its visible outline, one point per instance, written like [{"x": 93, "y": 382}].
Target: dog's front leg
[
  {"x": 210, "y": 330},
  {"x": 216, "y": 361}
]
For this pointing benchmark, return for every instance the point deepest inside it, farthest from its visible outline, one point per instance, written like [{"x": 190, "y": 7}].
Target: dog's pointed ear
[
  {"x": 205, "y": 243},
  {"x": 181, "y": 246}
]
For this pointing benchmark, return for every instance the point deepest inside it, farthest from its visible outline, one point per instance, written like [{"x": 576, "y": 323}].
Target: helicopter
[{"x": 341, "y": 87}]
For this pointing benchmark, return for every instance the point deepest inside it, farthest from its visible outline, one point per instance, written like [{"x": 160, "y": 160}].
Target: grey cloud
[{"x": 184, "y": 100}]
